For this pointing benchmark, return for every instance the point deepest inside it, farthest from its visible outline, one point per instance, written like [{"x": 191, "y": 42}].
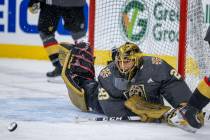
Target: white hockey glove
[{"x": 34, "y": 6}]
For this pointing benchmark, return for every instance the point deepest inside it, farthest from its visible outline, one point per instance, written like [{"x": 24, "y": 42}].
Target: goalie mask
[{"x": 128, "y": 59}]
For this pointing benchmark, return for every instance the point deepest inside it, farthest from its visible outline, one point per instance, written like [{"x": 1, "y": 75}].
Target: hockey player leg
[
  {"x": 201, "y": 95},
  {"x": 52, "y": 48},
  {"x": 74, "y": 21},
  {"x": 47, "y": 25}
]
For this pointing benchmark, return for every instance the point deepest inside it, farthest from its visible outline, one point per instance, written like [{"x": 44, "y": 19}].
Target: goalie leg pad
[
  {"x": 78, "y": 68},
  {"x": 76, "y": 94},
  {"x": 147, "y": 111}
]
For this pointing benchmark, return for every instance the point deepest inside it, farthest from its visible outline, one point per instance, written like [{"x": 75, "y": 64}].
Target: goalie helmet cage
[{"x": 170, "y": 29}]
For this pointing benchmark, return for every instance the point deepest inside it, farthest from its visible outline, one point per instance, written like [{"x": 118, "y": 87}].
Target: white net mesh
[
  {"x": 197, "y": 48},
  {"x": 154, "y": 26}
]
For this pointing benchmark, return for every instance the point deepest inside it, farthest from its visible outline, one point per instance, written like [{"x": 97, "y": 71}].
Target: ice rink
[{"x": 43, "y": 111}]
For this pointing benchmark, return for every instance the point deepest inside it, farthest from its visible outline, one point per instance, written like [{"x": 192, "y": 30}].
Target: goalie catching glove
[
  {"x": 78, "y": 68},
  {"x": 145, "y": 110}
]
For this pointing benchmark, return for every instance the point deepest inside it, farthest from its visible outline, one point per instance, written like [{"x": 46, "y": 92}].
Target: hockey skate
[
  {"x": 187, "y": 118},
  {"x": 55, "y": 75}
]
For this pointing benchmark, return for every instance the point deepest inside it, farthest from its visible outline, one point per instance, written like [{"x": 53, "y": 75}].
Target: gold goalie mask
[{"x": 128, "y": 59}]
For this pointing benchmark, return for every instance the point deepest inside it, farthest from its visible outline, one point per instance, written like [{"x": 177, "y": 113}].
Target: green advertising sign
[
  {"x": 134, "y": 20},
  {"x": 159, "y": 20}
]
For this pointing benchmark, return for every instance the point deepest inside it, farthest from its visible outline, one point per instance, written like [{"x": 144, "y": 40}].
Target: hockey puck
[{"x": 12, "y": 126}]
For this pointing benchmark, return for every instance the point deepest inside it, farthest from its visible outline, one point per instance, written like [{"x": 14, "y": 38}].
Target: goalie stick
[
  {"x": 127, "y": 118},
  {"x": 186, "y": 128}
]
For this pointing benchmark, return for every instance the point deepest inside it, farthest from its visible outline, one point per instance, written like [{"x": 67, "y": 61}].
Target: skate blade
[
  {"x": 57, "y": 80},
  {"x": 186, "y": 127}
]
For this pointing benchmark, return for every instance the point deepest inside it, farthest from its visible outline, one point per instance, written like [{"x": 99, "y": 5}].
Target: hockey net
[{"x": 156, "y": 26}]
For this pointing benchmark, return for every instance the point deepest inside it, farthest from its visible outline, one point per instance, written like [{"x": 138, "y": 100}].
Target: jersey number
[
  {"x": 174, "y": 73},
  {"x": 103, "y": 95}
]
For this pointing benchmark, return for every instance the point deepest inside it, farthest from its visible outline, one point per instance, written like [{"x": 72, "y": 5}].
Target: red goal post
[{"x": 182, "y": 37}]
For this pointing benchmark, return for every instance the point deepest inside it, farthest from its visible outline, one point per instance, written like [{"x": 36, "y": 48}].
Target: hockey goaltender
[{"x": 132, "y": 85}]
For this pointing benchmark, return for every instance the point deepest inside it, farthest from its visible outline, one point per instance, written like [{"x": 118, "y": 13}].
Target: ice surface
[{"x": 43, "y": 111}]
